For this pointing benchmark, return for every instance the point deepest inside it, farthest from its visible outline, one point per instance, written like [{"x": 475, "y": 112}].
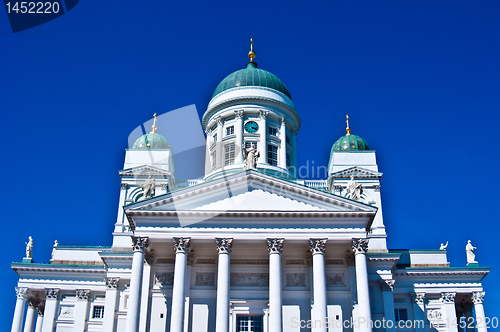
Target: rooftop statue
[
  {"x": 54, "y": 248},
  {"x": 444, "y": 246},
  {"x": 471, "y": 257},
  {"x": 149, "y": 187},
  {"x": 251, "y": 155},
  {"x": 354, "y": 189},
  {"x": 29, "y": 248}
]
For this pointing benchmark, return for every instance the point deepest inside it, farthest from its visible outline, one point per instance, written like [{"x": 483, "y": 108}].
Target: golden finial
[
  {"x": 153, "y": 127},
  {"x": 348, "y": 129},
  {"x": 251, "y": 54}
]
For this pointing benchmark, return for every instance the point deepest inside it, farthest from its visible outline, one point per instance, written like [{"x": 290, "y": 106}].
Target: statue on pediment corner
[
  {"x": 29, "y": 248},
  {"x": 443, "y": 246},
  {"x": 471, "y": 257}
]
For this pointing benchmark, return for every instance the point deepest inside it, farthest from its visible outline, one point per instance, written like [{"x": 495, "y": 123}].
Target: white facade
[{"x": 247, "y": 249}]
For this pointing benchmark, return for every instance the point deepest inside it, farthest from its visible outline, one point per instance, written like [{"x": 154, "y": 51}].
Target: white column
[
  {"x": 388, "y": 296},
  {"x": 263, "y": 136},
  {"x": 419, "y": 310},
  {"x": 39, "y": 319},
  {"x": 449, "y": 311},
  {"x": 181, "y": 246},
  {"x": 110, "y": 299},
  {"x": 140, "y": 245},
  {"x": 319, "y": 314},
  {"x": 238, "y": 131},
  {"x": 17, "y": 322},
  {"x": 50, "y": 311},
  {"x": 282, "y": 156},
  {"x": 478, "y": 299},
  {"x": 275, "y": 247},
  {"x": 30, "y": 315},
  {"x": 360, "y": 246},
  {"x": 222, "y": 311},
  {"x": 81, "y": 309},
  {"x": 219, "y": 153}
]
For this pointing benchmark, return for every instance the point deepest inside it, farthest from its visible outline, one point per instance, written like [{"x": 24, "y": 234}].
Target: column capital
[
  {"x": 317, "y": 246},
  {"x": 275, "y": 246},
  {"x": 387, "y": 284},
  {"x": 182, "y": 244},
  {"x": 419, "y": 298},
  {"x": 263, "y": 115},
  {"x": 282, "y": 121},
  {"x": 112, "y": 283},
  {"x": 82, "y": 294},
  {"x": 33, "y": 302},
  {"x": 224, "y": 245},
  {"x": 448, "y": 297},
  {"x": 140, "y": 243},
  {"x": 360, "y": 246},
  {"x": 22, "y": 292},
  {"x": 478, "y": 297},
  {"x": 51, "y": 293},
  {"x": 39, "y": 310},
  {"x": 239, "y": 114},
  {"x": 220, "y": 121},
  {"x": 123, "y": 185}
]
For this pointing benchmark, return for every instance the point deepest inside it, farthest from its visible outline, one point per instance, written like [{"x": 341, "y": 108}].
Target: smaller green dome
[
  {"x": 350, "y": 142},
  {"x": 151, "y": 141}
]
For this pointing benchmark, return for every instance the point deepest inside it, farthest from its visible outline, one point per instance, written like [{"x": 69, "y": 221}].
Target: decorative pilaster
[
  {"x": 17, "y": 322},
  {"x": 388, "y": 296},
  {"x": 81, "y": 309},
  {"x": 282, "y": 158},
  {"x": 263, "y": 135},
  {"x": 224, "y": 246},
  {"x": 50, "y": 311},
  {"x": 139, "y": 244},
  {"x": 238, "y": 131},
  {"x": 110, "y": 300},
  {"x": 360, "y": 247},
  {"x": 182, "y": 245},
  {"x": 419, "y": 310},
  {"x": 218, "y": 144},
  {"x": 317, "y": 248},
  {"x": 275, "y": 246},
  {"x": 478, "y": 299},
  {"x": 449, "y": 311}
]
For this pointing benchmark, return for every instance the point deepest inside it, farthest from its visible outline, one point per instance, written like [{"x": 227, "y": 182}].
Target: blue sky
[{"x": 419, "y": 79}]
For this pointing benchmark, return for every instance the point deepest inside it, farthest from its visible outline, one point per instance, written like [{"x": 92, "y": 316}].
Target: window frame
[
  {"x": 272, "y": 155},
  {"x": 229, "y": 154}
]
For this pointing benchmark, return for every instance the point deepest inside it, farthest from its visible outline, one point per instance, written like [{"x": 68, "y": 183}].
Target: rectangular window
[
  {"x": 98, "y": 311},
  {"x": 273, "y": 131},
  {"x": 214, "y": 159},
  {"x": 229, "y": 154},
  {"x": 401, "y": 314},
  {"x": 250, "y": 143},
  {"x": 230, "y": 131},
  {"x": 249, "y": 324},
  {"x": 272, "y": 154}
]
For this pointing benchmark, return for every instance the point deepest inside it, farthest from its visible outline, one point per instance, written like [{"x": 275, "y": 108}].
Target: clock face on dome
[{"x": 251, "y": 127}]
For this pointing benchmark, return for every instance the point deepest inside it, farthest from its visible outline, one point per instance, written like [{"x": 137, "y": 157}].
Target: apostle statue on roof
[{"x": 251, "y": 155}]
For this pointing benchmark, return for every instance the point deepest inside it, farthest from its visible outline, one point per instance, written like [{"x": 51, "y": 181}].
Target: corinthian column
[
  {"x": 263, "y": 136},
  {"x": 275, "y": 303},
  {"x": 50, "y": 311},
  {"x": 282, "y": 158},
  {"x": 81, "y": 309},
  {"x": 181, "y": 246},
  {"x": 449, "y": 311},
  {"x": 110, "y": 297},
  {"x": 17, "y": 322},
  {"x": 317, "y": 248},
  {"x": 238, "y": 131},
  {"x": 39, "y": 318},
  {"x": 478, "y": 299},
  {"x": 140, "y": 244},
  {"x": 222, "y": 315},
  {"x": 219, "y": 154},
  {"x": 360, "y": 246}
]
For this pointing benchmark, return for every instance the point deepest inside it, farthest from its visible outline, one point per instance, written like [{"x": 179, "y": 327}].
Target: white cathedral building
[{"x": 250, "y": 247}]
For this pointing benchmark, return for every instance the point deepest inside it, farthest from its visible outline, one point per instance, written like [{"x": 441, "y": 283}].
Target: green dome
[
  {"x": 251, "y": 76},
  {"x": 350, "y": 142},
  {"x": 151, "y": 141}
]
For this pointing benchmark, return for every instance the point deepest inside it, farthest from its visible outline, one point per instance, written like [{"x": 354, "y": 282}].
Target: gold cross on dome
[{"x": 153, "y": 127}]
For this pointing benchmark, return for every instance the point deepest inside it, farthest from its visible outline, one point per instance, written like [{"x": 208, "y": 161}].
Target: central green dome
[
  {"x": 251, "y": 76},
  {"x": 350, "y": 142}
]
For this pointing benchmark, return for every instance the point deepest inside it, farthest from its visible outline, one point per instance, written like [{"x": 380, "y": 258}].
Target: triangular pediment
[
  {"x": 250, "y": 191},
  {"x": 144, "y": 170},
  {"x": 357, "y": 172}
]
